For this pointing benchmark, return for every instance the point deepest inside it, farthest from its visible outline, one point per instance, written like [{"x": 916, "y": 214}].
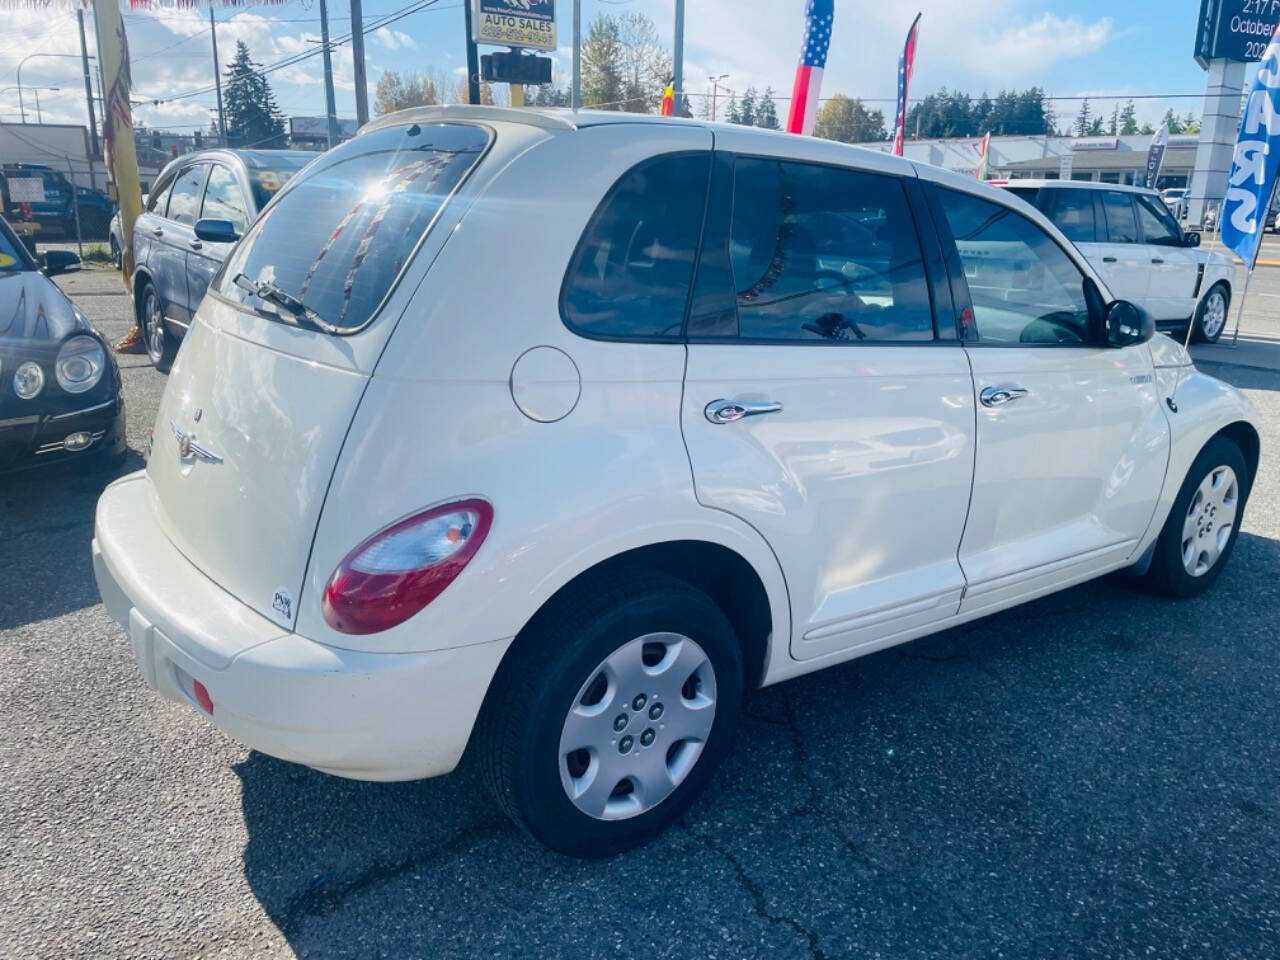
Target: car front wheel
[
  {"x": 1211, "y": 315},
  {"x": 161, "y": 345},
  {"x": 611, "y": 712},
  {"x": 1203, "y": 524}
]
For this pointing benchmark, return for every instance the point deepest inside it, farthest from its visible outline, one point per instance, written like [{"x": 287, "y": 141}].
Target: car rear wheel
[
  {"x": 1211, "y": 315},
  {"x": 610, "y": 714},
  {"x": 1203, "y": 524},
  {"x": 161, "y": 345}
]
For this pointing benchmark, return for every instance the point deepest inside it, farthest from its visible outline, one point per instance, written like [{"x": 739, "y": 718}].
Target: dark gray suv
[{"x": 198, "y": 207}]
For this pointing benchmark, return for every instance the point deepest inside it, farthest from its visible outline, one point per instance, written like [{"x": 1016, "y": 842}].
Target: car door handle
[
  {"x": 1156, "y": 260},
  {"x": 195, "y": 244},
  {"x": 729, "y": 411},
  {"x": 1108, "y": 259},
  {"x": 999, "y": 396},
  {"x": 157, "y": 232}
]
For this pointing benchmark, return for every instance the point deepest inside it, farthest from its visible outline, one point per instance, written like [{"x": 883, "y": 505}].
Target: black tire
[
  {"x": 518, "y": 735},
  {"x": 1169, "y": 573},
  {"x": 1198, "y": 331},
  {"x": 161, "y": 344}
]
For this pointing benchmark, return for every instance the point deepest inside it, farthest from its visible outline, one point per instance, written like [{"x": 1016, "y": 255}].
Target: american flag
[
  {"x": 818, "y": 15},
  {"x": 905, "y": 65}
]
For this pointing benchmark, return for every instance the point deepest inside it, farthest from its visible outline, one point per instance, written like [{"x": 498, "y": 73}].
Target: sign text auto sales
[{"x": 515, "y": 23}]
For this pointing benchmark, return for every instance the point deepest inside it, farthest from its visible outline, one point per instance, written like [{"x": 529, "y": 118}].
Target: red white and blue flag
[
  {"x": 818, "y": 15},
  {"x": 906, "y": 64}
]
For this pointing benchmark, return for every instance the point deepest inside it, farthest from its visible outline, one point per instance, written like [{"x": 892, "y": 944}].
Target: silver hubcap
[
  {"x": 155, "y": 328},
  {"x": 1210, "y": 520},
  {"x": 1215, "y": 314},
  {"x": 637, "y": 726}
]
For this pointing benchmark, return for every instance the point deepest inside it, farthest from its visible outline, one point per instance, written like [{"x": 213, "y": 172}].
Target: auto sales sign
[{"x": 514, "y": 23}]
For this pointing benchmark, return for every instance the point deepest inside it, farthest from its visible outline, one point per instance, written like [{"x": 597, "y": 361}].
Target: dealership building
[{"x": 1104, "y": 159}]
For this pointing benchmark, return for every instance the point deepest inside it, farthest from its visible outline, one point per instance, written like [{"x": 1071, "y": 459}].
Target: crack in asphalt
[{"x": 321, "y": 897}]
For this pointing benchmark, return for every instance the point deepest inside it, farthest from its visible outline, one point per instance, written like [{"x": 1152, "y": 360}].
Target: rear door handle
[
  {"x": 1156, "y": 260},
  {"x": 1108, "y": 259},
  {"x": 157, "y": 231},
  {"x": 729, "y": 411},
  {"x": 999, "y": 396}
]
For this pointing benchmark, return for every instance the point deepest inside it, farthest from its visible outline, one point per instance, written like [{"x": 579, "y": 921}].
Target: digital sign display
[{"x": 1235, "y": 29}]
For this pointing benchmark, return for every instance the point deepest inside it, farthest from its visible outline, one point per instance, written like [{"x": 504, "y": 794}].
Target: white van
[{"x": 552, "y": 434}]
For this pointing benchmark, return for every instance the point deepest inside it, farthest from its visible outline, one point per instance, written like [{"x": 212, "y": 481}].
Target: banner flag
[
  {"x": 1155, "y": 156},
  {"x": 906, "y": 64},
  {"x": 669, "y": 101},
  {"x": 983, "y": 156},
  {"x": 1253, "y": 170},
  {"x": 818, "y": 15}
]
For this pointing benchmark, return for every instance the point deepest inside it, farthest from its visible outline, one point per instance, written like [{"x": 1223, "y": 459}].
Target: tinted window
[
  {"x": 339, "y": 236},
  {"x": 1121, "y": 225},
  {"x": 158, "y": 199},
  {"x": 1073, "y": 214},
  {"x": 825, "y": 253},
  {"x": 266, "y": 178},
  {"x": 223, "y": 199},
  {"x": 184, "y": 200},
  {"x": 631, "y": 273},
  {"x": 1157, "y": 223},
  {"x": 1024, "y": 288},
  {"x": 1028, "y": 194}
]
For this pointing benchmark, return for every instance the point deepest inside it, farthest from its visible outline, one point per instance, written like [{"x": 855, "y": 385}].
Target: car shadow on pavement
[
  {"x": 46, "y": 528},
  {"x": 1057, "y": 773}
]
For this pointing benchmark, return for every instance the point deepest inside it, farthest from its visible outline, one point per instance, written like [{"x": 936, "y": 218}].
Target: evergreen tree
[
  {"x": 767, "y": 110},
  {"x": 1128, "y": 120},
  {"x": 747, "y": 108},
  {"x": 1084, "y": 120},
  {"x": 732, "y": 114},
  {"x": 252, "y": 116}
]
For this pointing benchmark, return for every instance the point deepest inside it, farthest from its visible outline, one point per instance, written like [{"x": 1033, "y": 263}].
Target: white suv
[
  {"x": 554, "y": 434},
  {"x": 1138, "y": 248}
]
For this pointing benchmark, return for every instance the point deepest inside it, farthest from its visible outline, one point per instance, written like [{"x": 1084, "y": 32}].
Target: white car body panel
[{"x": 915, "y": 510}]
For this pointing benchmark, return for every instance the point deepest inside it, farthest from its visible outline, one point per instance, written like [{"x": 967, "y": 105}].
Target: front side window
[
  {"x": 1024, "y": 287},
  {"x": 1122, "y": 227},
  {"x": 158, "y": 198},
  {"x": 1073, "y": 214},
  {"x": 1157, "y": 224},
  {"x": 630, "y": 275},
  {"x": 331, "y": 249},
  {"x": 223, "y": 199},
  {"x": 184, "y": 200},
  {"x": 825, "y": 253}
]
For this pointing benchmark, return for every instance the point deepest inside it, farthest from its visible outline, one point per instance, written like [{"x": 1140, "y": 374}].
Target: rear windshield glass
[{"x": 331, "y": 249}]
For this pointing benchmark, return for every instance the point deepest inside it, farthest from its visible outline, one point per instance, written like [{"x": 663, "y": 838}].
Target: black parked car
[
  {"x": 60, "y": 393},
  {"x": 198, "y": 207}
]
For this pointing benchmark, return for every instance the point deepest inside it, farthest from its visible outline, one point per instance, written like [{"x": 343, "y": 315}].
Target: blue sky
[{"x": 1069, "y": 47}]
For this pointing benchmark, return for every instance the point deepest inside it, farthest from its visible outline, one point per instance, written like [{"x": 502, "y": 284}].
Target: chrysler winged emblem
[{"x": 188, "y": 447}]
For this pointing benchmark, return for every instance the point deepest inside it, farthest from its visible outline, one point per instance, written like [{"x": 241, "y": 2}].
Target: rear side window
[
  {"x": 1122, "y": 227},
  {"x": 339, "y": 236},
  {"x": 184, "y": 201},
  {"x": 630, "y": 275},
  {"x": 1158, "y": 226},
  {"x": 1073, "y": 214}
]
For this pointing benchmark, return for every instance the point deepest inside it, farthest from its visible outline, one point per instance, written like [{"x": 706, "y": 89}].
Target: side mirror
[
  {"x": 54, "y": 262},
  {"x": 217, "y": 231},
  {"x": 1128, "y": 325},
  {"x": 1191, "y": 239}
]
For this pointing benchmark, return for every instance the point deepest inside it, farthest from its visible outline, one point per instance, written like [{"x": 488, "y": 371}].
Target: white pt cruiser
[{"x": 549, "y": 435}]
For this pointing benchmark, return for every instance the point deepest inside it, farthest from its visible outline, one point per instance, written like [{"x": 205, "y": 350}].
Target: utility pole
[
  {"x": 217, "y": 80},
  {"x": 677, "y": 60},
  {"x": 715, "y": 90},
  {"x": 357, "y": 63},
  {"x": 88, "y": 87},
  {"x": 575, "y": 97},
  {"x": 473, "y": 58},
  {"x": 331, "y": 111}
]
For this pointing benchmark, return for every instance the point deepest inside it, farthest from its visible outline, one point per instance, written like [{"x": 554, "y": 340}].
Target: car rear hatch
[{"x": 264, "y": 389}]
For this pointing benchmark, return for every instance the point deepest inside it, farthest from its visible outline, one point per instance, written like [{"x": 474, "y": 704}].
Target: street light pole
[
  {"x": 715, "y": 90},
  {"x": 575, "y": 96},
  {"x": 677, "y": 60}
]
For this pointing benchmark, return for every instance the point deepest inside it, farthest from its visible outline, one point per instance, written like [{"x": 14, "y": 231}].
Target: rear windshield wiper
[{"x": 303, "y": 315}]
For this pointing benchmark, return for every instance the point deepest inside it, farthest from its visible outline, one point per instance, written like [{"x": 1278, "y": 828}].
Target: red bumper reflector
[{"x": 202, "y": 697}]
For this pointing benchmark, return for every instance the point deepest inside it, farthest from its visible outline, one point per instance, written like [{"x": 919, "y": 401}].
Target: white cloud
[{"x": 393, "y": 39}]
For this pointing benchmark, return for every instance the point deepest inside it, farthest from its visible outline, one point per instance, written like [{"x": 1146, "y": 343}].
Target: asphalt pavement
[{"x": 1096, "y": 774}]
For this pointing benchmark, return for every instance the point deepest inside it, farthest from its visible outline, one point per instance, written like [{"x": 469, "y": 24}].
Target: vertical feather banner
[
  {"x": 818, "y": 15},
  {"x": 906, "y": 66}
]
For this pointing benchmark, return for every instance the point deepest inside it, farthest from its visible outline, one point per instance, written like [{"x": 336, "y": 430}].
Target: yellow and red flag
[{"x": 669, "y": 101}]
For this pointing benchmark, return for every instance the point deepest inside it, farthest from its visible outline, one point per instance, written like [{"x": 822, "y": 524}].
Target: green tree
[
  {"x": 1084, "y": 120},
  {"x": 1128, "y": 120},
  {"x": 767, "y": 111},
  {"x": 1190, "y": 123},
  {"x": 252, "y": 116},
  {"x": 747, "y": 108},
  {"x": 732, "y": 112},
  {"x": 849, "y": 121},
  {"x": 602, "y": 64},
  {"x": 395, "y": 92}
]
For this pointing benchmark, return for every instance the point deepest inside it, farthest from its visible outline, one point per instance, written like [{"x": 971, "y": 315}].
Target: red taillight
[
  {"x": 201, "y": 694},
  {"x": 397, "y": 572}
]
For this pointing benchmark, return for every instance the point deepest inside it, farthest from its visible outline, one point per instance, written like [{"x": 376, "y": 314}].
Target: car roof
[
  {"x": 1077, "y": 185},
  {"x": 252, "y": 159}
]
